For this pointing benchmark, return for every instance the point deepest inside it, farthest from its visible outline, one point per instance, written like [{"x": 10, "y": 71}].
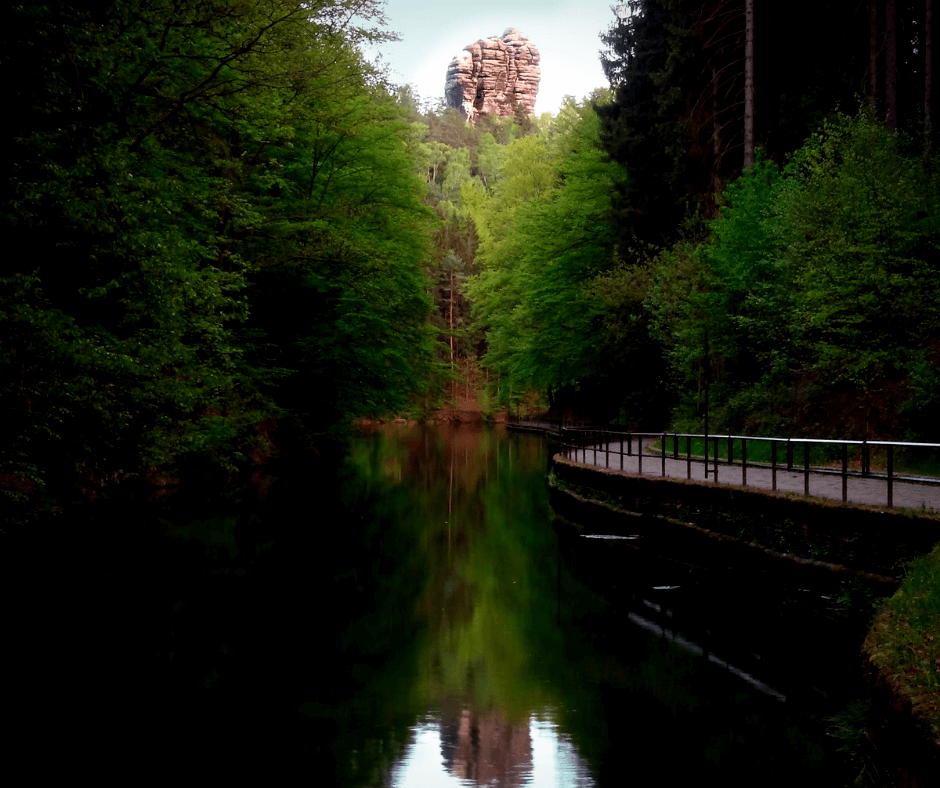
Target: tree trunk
[
  {"x": 873, "y": 51},
  {"x": 891, "y": 65},
  {"x": 452, "y": 322},
  {"x": 928, "y": 76},
  {"x": 716, "y": 136},
  {"x": 749, "y": 85}
]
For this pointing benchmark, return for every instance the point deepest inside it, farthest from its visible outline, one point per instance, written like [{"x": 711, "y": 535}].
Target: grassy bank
[{"x": 904, "y": 642}]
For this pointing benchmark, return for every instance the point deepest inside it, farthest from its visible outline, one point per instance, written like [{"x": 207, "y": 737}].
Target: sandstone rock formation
[{"x": 493, "y": 75}]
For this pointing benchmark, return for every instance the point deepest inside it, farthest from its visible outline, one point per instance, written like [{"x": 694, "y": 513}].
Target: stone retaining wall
[
  {"x": 865, "y": 538},
  {"x": 691, "y": 521},
  {"x": 900, "y": 751}
]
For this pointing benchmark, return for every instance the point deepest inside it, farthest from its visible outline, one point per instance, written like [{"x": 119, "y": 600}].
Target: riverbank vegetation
[
  {"x": 904, "y": 643},
  {"x": 216, "y": 241}
]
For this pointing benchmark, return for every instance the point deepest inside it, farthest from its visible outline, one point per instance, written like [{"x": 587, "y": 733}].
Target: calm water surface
[{"x": 419, "y": 619}]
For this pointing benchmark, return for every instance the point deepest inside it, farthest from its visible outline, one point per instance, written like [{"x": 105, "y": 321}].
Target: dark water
[{"x": 417, "y": 619}]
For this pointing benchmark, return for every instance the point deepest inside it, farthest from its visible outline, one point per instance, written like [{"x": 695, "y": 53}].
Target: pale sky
[{"x": 566, "y": 33}]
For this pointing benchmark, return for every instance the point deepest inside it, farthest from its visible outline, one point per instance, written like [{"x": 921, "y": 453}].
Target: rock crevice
[{"x": 493, "y": 75}]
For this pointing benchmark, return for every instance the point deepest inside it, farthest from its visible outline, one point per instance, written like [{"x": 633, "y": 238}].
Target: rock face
[{"x": 493, "y": 75}]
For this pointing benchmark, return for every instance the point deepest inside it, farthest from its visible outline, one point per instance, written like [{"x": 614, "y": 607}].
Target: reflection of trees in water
[
  {"x": 476, "y": 502},
  {"x": 464, "y": 457},
  {"x": 486, "y": 748}
]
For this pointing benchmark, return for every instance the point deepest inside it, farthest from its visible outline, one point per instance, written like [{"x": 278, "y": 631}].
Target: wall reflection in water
[{"x": 485, "y": 749}]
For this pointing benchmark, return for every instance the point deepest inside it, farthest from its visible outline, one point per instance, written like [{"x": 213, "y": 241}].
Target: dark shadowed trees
[{"x": 171, "y": 171}]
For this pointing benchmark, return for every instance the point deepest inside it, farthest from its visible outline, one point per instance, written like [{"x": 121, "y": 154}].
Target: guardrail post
[
  {"x": 805, "y": 469},
  {"x": 845, "y": 472},
  {"x": 639, "y": 457},
  {"x": 865, "y": 459},
  {"x": 890, "y": 476},
  {"x": 664, "y": 453},
  {"x": 606, "y": 448},
  {"x": 688, "y": 457},
  {"x": 629, "y": 444},
  {"x": 730, "y": 450},
  {"x": 744, "y": 462},
  {"x": 715, "y": 464},
  {"x": 789, "y": 455},
  {"x": 675, "y": 446},
  {"x": 773, "y": 463}
]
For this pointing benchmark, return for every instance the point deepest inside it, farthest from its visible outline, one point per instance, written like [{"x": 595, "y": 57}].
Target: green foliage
[
  {"x": 457, "y": 173},
  {"x": 652, "y": 59},
  {"x": 561, "y": 314},
  {"x": 848, "y": 727},
  {"x": 340, "y": 301},
  {"x": 490, "y": 159},
  {"x": 172, "y": 169},
  {"x": 819, "y": 290},
  {"x": 904, "y": 640},
  {"x": 677, "y": 115},
  {"x": 860, "y": 231},
  {"x": 814, "y": 288}
]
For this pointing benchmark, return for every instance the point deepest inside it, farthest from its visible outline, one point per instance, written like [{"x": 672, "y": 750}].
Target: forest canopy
[
  {"x": 215, "y": 221},
  {"x": 230, "y": 235},
  {"x": 751, "y": 208}
]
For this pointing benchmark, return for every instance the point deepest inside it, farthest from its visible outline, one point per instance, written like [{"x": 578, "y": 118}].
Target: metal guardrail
[
  {"x": 554, "y": 426},
  {"x": 581, "y": 440}
]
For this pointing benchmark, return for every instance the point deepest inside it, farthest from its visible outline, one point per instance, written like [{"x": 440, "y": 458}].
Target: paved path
[{"x": 908, "y": 495}]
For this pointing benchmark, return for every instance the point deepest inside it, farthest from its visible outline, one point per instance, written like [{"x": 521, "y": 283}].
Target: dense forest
[
  {"x": 215, "y": 233},
  {"x": 753, "y": 206},
  {"x": 230, "y": 236}
]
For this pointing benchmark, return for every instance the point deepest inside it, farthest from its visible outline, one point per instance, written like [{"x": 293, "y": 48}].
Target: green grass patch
[
  {"x": 758, "y": 451},
  {"x": 914, "y": 464},
  {"x": 911, "y": 462},
  {"x": 848, "y": 727},
  {"x": 905, "y": 640}
]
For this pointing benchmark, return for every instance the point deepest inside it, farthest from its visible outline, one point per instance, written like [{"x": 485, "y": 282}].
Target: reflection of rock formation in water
[{"x": 487, "y": 748}]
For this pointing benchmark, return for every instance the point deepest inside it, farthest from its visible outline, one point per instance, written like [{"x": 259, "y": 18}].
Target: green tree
[
  {"x": 163, "y": 160},
  {"x": 490, "y": 158},
  {"x": 562, "y": 316},
  {"x": 860, "y": 228},
  {"x": 819, "y": 289},
  {"x": 457, "y": 173}
]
